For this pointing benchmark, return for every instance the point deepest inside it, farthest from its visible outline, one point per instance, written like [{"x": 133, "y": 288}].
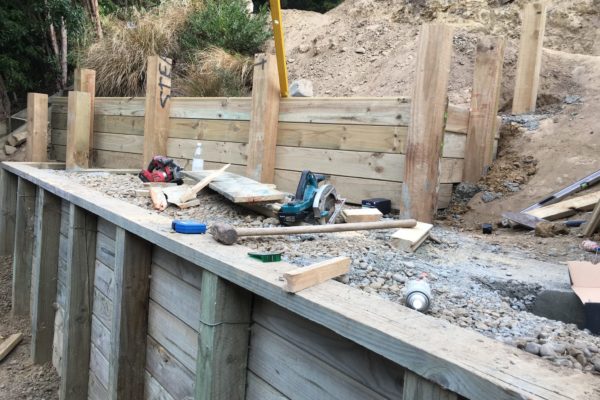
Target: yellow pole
[{"x": 279, "y": 46}]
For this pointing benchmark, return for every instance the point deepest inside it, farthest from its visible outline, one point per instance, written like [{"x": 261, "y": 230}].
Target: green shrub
[{"x": 226, "y": 24}]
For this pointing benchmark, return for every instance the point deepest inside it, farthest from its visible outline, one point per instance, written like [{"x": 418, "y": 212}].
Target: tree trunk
[
  {"x": 96, "y": 17},
  {"x": 4, "y": 109},
  {"x": 63, "y": 55}
]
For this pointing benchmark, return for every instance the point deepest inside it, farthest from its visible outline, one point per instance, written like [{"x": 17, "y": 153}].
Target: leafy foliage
[{"x": 226, "y": 24}]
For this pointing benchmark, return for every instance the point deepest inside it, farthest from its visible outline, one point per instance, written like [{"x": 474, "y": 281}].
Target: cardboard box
[{"x": 585, "y": 281}]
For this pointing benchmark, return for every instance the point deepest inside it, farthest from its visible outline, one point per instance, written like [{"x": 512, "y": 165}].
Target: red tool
[{"x": 162, "y": 169}]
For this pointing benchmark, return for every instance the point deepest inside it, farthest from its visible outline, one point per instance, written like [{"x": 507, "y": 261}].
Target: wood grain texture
[
  {"x": 105, "y": 250},
  {"x": 410, "y": 239},
  {"x": 168, "y": 372},
  {"x": 78, "y": 131},
  {"x": 485, "y": 96},
  {"x": 153, "y": 390},
  {"x": 258, "y": 389},
  {"x": 37, "y": 127},
  {"x": 263, "y": 119},
  {"x": 84, "y": 80},
  {"x": 222, "y": 340},
  {"x": 434, "y": 349},
  {"x": 44, "y": 275},
  {"x": 133, "y": 257},
  {"x": 79, "y": 286},
  {"x": 302, "y": 278},
  {"x": 8, "y": 210},
  {"x": 157, "y": 106},
  {"x": 593, "y": 223},
  {"x": 417, "y": 388},
  {"x": 8, "y": 344},
  {"x": 529, "y": 64},
  {"x": 23, "y": 248},
  {"x": 362, "y": 215},
  {"x": 426, "y": 130},
  {"x": 567, "y": 207}
]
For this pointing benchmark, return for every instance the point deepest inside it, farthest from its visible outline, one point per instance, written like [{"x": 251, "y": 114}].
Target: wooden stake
[
  {"x": 264, "y": 119},
  {"x": 426, "y": 130},
  {"x": 158, "y": 107},
  {"x": 484, "y": 107},
  {"x": 78, "y": 131},
  {"x": 37, "y": 127},
  {"x": 530, "y": 57},
  {"x": 302, "y": 278},
  {"x": 592, "y": 225},
  {"x": 85, "y": 81}
]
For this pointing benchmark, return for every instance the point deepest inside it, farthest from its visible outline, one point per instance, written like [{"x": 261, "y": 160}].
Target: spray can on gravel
[{"x": 418, "y": 295}]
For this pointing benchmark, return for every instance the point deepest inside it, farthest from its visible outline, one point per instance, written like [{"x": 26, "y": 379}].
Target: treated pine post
[
  {"x": 529, "y": 63},
  {"x": 222, "y": 340},
  {"x": 127, "y": 359},
  {"x": 418, "y": 388},
  {"x": 8, "y": 210},
  {"x": 484, "y": 107},
  {"x": 79, "y": 293},
  {"x": 428, "y": 119},
  {"x": 158, "y": 107},
  {"x": 23, "y": 247},
  {"x": 78, "y": 131},
  {"x": 264, "y": 119},
  {"x": 37, "y": 127},
  {"x": 44, "y": 272},
  {"x": 85, "y": 81}
]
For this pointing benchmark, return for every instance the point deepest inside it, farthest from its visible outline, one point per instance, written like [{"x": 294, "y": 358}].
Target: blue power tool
[{"x": 312, "y": 202}]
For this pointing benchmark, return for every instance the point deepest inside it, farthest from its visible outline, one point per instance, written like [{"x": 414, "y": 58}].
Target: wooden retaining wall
[
  {"x": 360, "y": 142},
  {"x": 145, "y": 313}
]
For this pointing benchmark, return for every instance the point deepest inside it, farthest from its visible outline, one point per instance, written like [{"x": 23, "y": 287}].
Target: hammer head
[{"x": 223, "y": 233}]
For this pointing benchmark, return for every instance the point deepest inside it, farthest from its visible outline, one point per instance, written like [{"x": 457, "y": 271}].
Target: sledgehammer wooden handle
[{"x": 227, "y": 234}]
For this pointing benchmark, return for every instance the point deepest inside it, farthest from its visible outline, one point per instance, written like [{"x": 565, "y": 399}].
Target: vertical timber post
[
  {"x": 78, "y": 131},
  {"x": 44, "y": 274},
  {"x": 264, "y": 119},
  {"x": 8, "y": 209},
  {"x": 529, "y": 63},
  {"x": 127, "y": 359},
  {"x": 157, "y": 108},
  {"x": 484, "y": 107},
  {"x": 222, "y": 340},
  {"x": 79, "y": 287},
  {"x": 418, "y": 388},
  {"x": 37, "y": 127},
  {"x": 428, "y": 120},
  {"x": 85, "y": 81},
  {"x": 23, "y": 247}
]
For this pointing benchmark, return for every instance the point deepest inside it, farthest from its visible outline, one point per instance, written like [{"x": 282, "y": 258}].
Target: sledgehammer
[{"x": 228, "y": 234}]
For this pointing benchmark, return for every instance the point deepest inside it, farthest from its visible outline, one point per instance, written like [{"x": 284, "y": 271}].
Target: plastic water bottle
[{"x": 198, "y": 162}]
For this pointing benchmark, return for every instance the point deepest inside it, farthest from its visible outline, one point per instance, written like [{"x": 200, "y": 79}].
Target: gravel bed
[{"x": 466, "y": 290}]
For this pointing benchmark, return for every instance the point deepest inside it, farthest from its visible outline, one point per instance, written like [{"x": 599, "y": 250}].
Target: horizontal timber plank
[
  {"x": 105, "y": 250},
  {"x": 258, "y": 389},
  {"x": 107, "y": 229},
  {"x": 102, "y": 308},
  {"x": 104, "y": 280},
  {"x": 153, "y": 390},
  {"x": 98, "y": 366},
  {"x": 101, "y": 337},
  {"x": 96, "y": 391},
  {"x": 177, "y": 266},
  {"x": 168, "y": 372},
  {"x": 432, "y": 348}
]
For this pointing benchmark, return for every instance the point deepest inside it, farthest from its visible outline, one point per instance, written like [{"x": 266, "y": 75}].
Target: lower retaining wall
[{"x": 169, "y": 316}]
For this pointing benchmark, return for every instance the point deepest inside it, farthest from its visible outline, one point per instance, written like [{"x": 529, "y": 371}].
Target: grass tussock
[
  {"x": 120, "y": 58},
  {"x": 215, "y": 72}
]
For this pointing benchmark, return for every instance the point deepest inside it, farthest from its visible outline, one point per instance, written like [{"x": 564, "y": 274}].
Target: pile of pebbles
[{"x": 495, "y": 309}]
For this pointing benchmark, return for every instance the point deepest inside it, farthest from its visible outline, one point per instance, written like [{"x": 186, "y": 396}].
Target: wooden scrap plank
[
  {"x": 9, "y": 344},
  {"x": 566, "y": 208},
  {"x": 426, "y": 130},
  {"x": 302, "y": 278},
  {"x": 592, "y": 225},
  {"x": 529, "y": 62},
  {"x": 362, "y": 215},
  {"x": 264, "y": 119},
  {"x": 157, "y": 107},
  {"x": 410, "y": 239},
  {"x": 240, "y": 189}
]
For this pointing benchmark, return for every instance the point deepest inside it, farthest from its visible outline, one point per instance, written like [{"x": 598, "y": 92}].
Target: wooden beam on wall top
[
  {"x": 158, "y": 107},
  {"x": 222, "y": 340},
  {"x": 44, "y": 274},
  {"x": 79, "y": 288},
  {"x": 485, "y": 96},
  {"x": 23, "y": 247},
  {"x": 37, "y": 127},
  {"x": 78, "y": 131},
  {"x": 127, "y": 358},
  {"x": 426, "y": 130},
  {"x": 264, "y": 119},
  {"x": 529, "y": 64},
  {"x": 85, "y": 81}
]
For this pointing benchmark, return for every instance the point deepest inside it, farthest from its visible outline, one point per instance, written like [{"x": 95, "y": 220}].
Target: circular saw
[{"x": 313, "y": 202}]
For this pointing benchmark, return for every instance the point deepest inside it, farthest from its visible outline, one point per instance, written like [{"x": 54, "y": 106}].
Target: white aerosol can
[
  {"x": 418, "y": 295},
  {"x": 198, "y": 161}
]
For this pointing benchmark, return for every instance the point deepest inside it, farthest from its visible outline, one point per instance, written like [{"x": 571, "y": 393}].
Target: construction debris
[
  {"x": 594, "y": 223},
  {"x": 362, "y": 215},
  {"x": 9, "y": 344},
  {"x": 17, "y": 138},
  {"x": 302, "y": 278},
  {"x": 181, "y": 195},
  {"x": 409, "y": 240},
  {"x": 546, "y": 229},
  {"x": 567, "y": 208}
]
